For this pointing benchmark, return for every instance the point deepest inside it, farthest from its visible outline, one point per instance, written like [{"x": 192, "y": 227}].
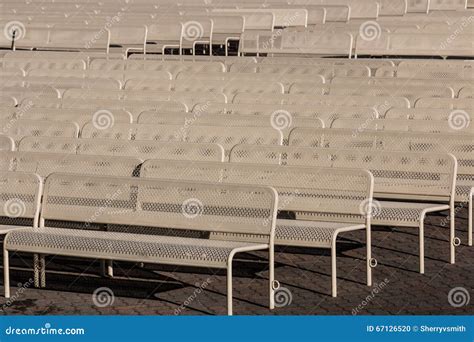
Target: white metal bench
[
  {"x": 409, "y": 185},
  {"x": 332, "y": 198},
  {"x": 135, "y": 202}
]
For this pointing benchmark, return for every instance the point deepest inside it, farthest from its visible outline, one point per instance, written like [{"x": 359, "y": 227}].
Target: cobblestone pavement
[{"x": 304, "y": 275}]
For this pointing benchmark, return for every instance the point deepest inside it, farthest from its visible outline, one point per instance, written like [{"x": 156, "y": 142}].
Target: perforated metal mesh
[
  {"x": 380, "y": 103},
  {"x": 136, "y": 148},
  {"x": 408, "y": 173},
  {"x": 44, "y": 164},
  {"x": 320, "y": 190},
  {"x": 140, "y": 202},
  {"x": 21, "y": 128},
  {"x": 227, "y": 137},
  {"x": 19, "y": 196},
  {"x": 428, "y": 126},
  {"x": 123, "y": 246}
]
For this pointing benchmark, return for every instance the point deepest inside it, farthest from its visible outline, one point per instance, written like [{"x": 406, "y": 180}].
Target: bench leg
[
  {"x": 368, "y": 246},
  {"x": 469, "y": 220},
  {"x": 107, "y": 268},
  {"x": 229, "y": 287},
  {"x": 42, "y": 264},
  {"x": 333, "y": 268},
  {"x": 36, "y": 270},
  {"x": 422, "y": 246},
  {"x": 271, "y": 278},
  {"x": 6, "y": 273},
  {"x": 452, "y": 234}
]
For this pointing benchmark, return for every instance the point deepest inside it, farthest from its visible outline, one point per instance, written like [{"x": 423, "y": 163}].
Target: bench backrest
[
  {"x": 80, "y": 116},
  {"x": 227, "y": 137},
  {"x": 408, "y": 175},
  {"x": 143, "y": 149},
  {"x": 460, "y": 145},
  {"x": 44, "y": 164},
  {"x": 321, "y": 191},
  {"x": 429, "y": 126},
  {"x": 21, "y": 128},
  {"x": 132, "y": 201},
  {"x": 20, "y": 195}
]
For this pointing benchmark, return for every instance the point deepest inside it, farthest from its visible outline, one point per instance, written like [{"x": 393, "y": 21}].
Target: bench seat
[
  {"x": 126, "y": 246},
  {"x": 310, "y": 233},
  {"x": 406, "y": 214}
]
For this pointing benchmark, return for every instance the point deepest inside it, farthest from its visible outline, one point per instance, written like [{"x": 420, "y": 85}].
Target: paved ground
[{"x": 304, "y": 275}]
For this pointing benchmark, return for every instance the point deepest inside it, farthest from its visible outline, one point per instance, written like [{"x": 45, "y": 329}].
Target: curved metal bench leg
[
  {"x": 333, "y": 268},
  {"x": 452, "y": 234},
  {"x": 422, "y": 245},
  {"x": 271, "y": 278},
  {"x": 6, "y": 273},
  {"x": 229, "y": 287},
  {"x": 368, "y": 246}
]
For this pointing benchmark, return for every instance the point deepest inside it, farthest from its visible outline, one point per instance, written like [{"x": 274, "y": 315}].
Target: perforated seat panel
[
  {"x": 463, "y": 192},
  {"x": 403, "y": 213},
  {"x": 309, "y": 233},
  {"x": 125, "y": 246}
]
